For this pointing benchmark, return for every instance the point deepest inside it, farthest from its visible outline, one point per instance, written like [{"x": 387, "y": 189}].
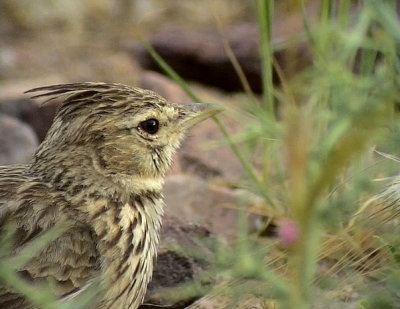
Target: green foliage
[
  {"x": 332, "y": 113},
  {"x": 387, "y": 296}
]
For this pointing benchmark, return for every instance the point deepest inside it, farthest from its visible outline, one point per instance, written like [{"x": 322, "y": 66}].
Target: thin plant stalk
[
  {"x": 265, "y": 9},
  {"x": 344, "y": 9},
  {"x": 265, "y": 12},
  {"x": 298, "y": 143},
  {"x": 235, "y": 63}
]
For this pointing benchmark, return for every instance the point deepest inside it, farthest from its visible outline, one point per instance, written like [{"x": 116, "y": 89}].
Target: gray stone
[
  {"x": 38, "y": 116},
  {"x": 199, "y": 55},
  {"x": 163, "y": 86},
  {"x": 193, "y": 199},
  {"x": 17, "y": 141},
  {"x": 182, "y": 257}
]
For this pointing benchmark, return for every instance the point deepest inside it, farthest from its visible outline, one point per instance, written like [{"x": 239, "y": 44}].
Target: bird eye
[{"x": 149, "y": 125}]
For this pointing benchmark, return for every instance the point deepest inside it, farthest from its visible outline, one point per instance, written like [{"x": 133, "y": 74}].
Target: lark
[{"x": 101, "y": 168}]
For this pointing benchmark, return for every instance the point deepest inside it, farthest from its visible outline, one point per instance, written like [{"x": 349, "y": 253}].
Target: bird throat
[{"x": 128, "y": 235}]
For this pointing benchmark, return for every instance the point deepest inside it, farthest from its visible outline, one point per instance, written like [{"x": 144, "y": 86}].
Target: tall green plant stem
[
  {"x": 265, "y": 9},
  {"x": 303, "y": 258}
]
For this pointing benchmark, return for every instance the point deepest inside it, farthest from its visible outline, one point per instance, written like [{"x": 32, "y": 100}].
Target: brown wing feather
[{"x": 69, "y": 261}]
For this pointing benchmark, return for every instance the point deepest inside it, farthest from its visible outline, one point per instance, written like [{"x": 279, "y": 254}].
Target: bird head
[{"x": 123, "y": 131}]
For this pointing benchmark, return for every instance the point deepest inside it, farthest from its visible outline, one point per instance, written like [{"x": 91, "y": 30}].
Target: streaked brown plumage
[{"x": 101, "y": 168}]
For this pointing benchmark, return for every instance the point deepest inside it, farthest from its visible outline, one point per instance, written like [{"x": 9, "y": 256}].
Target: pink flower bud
[{"x": 288, "y": 233}]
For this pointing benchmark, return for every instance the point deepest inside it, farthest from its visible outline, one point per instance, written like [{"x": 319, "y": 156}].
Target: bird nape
[{"x": 100, "y": 168}]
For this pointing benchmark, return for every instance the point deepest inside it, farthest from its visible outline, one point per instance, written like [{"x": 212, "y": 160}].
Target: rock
[
  {"x": 163, "y": 86},
  {"x": 194, "y": 200},
  {"x": 215, "y": 301},
  {"x": 174, "y": 268},
  {"x": 194, "y": 165},
  {"x": 39, "y": 117},
  {"x": 17, "y": 141},
  {"x": 200, "y": 55},
  {"x": 186, "y": 248},
  {"x": 197, "y": 158}
]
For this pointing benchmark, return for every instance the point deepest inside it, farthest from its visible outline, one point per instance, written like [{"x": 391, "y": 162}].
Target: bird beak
[{"x": 197, "y": 112}]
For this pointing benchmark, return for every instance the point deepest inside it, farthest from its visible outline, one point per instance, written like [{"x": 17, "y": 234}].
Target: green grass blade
[{"x": 265, "y": 9}]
